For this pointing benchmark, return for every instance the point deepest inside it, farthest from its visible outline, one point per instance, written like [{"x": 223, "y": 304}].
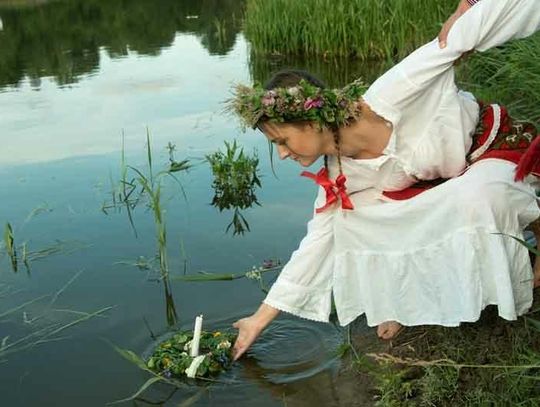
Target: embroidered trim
[{"x": 493, "y": 133}]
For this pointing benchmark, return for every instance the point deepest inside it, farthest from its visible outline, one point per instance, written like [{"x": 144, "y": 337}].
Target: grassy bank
[
  {"x": 366, "y": 29},
  {"x": 492, "y": 362}
]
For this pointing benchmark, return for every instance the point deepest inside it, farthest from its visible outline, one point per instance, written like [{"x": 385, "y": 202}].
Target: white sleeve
[
  {"x": 304, "y": 286},
  {"x": 488, "y": 24}
]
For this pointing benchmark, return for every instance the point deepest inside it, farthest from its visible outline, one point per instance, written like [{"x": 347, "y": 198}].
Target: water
[{"x": 74, "y": 76}]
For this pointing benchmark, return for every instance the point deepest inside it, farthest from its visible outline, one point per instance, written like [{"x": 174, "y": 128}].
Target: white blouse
[{"x": 432, "y": 126}]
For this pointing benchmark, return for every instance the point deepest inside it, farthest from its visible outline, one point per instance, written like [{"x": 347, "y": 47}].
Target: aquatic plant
[
  {"x": 136, "y": 187},
  {"x": 368, "y": 29},
  {"x": 235, "y": 180},
  {"x": 9, "y": 243},
  {"x": 46, "y": 331},
  {"x": 171, "y": 358},
  {"x": 255, "y": 273},
  {"x": 159, "y": 373},
  {"x": 27, "y": 256}
]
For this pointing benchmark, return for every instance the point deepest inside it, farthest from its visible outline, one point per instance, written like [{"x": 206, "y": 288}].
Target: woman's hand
[
  {"x": 443, "y": 35},
  {"x": 249, "y": 330},
  {"x": 251, "y": 327}
]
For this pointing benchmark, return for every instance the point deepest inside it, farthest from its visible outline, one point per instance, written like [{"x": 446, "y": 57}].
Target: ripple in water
[{"x": 289, "y": 349}]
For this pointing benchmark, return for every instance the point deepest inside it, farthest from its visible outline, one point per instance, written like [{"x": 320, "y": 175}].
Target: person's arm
[
  {"x": 303, "y": 287},
  {"x": 250, "y": 328},
  {"x": 463, "y": 6},
  {"x": 488, "y": 24}
]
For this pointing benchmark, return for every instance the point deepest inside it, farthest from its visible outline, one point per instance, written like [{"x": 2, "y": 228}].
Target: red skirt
[{"x": 497, "y": 135}]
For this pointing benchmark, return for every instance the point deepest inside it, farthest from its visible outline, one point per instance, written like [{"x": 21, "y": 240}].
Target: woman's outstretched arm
[{"x": 304, "y": 286}]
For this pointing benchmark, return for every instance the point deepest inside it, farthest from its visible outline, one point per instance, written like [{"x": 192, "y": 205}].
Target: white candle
[
  {"x": 196, "y": 336},
  {"x": 191, "y": 371}
]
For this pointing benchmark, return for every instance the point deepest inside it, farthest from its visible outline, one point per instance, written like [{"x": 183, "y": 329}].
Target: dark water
[{"x": 74, "y": 76}]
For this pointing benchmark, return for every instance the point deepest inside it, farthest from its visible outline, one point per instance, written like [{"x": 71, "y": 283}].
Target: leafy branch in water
[{"x": 235, "y": 181}]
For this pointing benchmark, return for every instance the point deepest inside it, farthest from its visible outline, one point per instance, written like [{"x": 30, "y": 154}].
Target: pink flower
[
  {"x": 310, "y": 103},
  {"x": 268, "y": 100}
]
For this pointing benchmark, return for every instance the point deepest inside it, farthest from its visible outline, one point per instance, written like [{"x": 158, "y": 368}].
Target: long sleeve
[
  {"x": 304, "y": 286},
  {"x": 488, "y": 24}
]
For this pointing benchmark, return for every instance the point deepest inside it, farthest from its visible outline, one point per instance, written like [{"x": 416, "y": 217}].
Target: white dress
[{"x": 440, "y": 257}]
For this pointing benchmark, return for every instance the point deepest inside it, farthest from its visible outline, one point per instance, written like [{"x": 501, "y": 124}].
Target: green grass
[
  {"x": 489, "y": 363},
  {"x": 508, "y": 75},
  {"x": 366, "y": 29}
]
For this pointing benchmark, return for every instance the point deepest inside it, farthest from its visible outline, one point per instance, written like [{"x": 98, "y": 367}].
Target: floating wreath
[
  {"x": 235, "y": 181},
  {"x": 171, "y": 358}
]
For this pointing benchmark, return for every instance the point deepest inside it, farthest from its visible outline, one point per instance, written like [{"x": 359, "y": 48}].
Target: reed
[
  {"x": 139, "y": 186},
  {"x": 50, "y": 326},
  {"x": 366, "y": 29},
  {"x": 9, "y": 244},
  {"x": 508, "y": 75}
]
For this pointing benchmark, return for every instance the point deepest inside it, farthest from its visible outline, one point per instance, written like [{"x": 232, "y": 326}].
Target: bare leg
[{"x": 389, "y": 329}]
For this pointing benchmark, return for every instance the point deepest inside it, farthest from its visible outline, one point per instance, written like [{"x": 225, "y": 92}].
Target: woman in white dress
[{"x": 436, "y": 257}]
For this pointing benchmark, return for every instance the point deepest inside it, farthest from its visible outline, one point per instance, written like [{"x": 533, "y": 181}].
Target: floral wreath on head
[{"x": 329, "y": 108}]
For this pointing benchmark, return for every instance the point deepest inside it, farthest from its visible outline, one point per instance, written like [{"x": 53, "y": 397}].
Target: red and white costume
[{"x": 437, "y": 257}]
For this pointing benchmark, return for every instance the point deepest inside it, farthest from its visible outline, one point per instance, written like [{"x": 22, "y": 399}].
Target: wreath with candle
[{"x": 172, "y": 358}]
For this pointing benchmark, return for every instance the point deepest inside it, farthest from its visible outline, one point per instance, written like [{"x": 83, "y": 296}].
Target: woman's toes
[{"x": 388, "y": 330}]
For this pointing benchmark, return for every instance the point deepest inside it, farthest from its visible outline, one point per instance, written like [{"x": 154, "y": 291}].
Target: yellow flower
[
  {"x": 217, "y": 333},
  {"x": 166, "y": 362}
]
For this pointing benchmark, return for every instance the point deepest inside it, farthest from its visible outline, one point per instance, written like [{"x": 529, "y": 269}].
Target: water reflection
[
  {"x": 335, "y": 72},
  {"x": 62, "y": 39}
]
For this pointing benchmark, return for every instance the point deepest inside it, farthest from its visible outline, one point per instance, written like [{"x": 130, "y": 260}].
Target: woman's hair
[
  {"x": 288, "y": 78},
  {"x": 291, "y": 77}
]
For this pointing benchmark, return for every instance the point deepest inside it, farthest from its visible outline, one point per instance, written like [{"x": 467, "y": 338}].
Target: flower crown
[{"x": 303, "y": 102}]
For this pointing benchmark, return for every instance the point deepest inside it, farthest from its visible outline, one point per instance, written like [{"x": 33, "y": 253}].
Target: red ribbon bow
[{"x": 333, "y": 189}]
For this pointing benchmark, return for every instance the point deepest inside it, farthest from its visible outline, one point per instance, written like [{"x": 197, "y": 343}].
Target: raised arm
[
  {"x": 463, "y": 6},
  {"x": 488, "y": 24}
]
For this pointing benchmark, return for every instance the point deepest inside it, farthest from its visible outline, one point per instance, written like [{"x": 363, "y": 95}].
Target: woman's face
[{"x": 303, "y": 143}]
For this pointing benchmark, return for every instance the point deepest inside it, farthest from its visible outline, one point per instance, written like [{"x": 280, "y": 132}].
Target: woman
[{"x": 405, "y": 258}]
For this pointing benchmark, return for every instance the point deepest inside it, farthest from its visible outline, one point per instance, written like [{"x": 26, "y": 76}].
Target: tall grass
[
  {"x": 367, "y": 29},
  {"x": 508, "y": 75}
]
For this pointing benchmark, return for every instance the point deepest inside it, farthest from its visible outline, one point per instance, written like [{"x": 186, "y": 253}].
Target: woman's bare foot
[
  {"x": 389, "y": 329},
  {"x": 537, "y": 270}
]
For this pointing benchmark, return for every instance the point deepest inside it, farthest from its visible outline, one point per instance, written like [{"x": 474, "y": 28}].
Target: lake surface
[{"x": 77, "y": 78}]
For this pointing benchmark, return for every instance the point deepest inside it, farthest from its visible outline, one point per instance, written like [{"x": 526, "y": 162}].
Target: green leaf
[
  {"x": 146, "y": 385},
  {"x": 132, "y": 357},
  {"x": 529, "y": 246}
]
